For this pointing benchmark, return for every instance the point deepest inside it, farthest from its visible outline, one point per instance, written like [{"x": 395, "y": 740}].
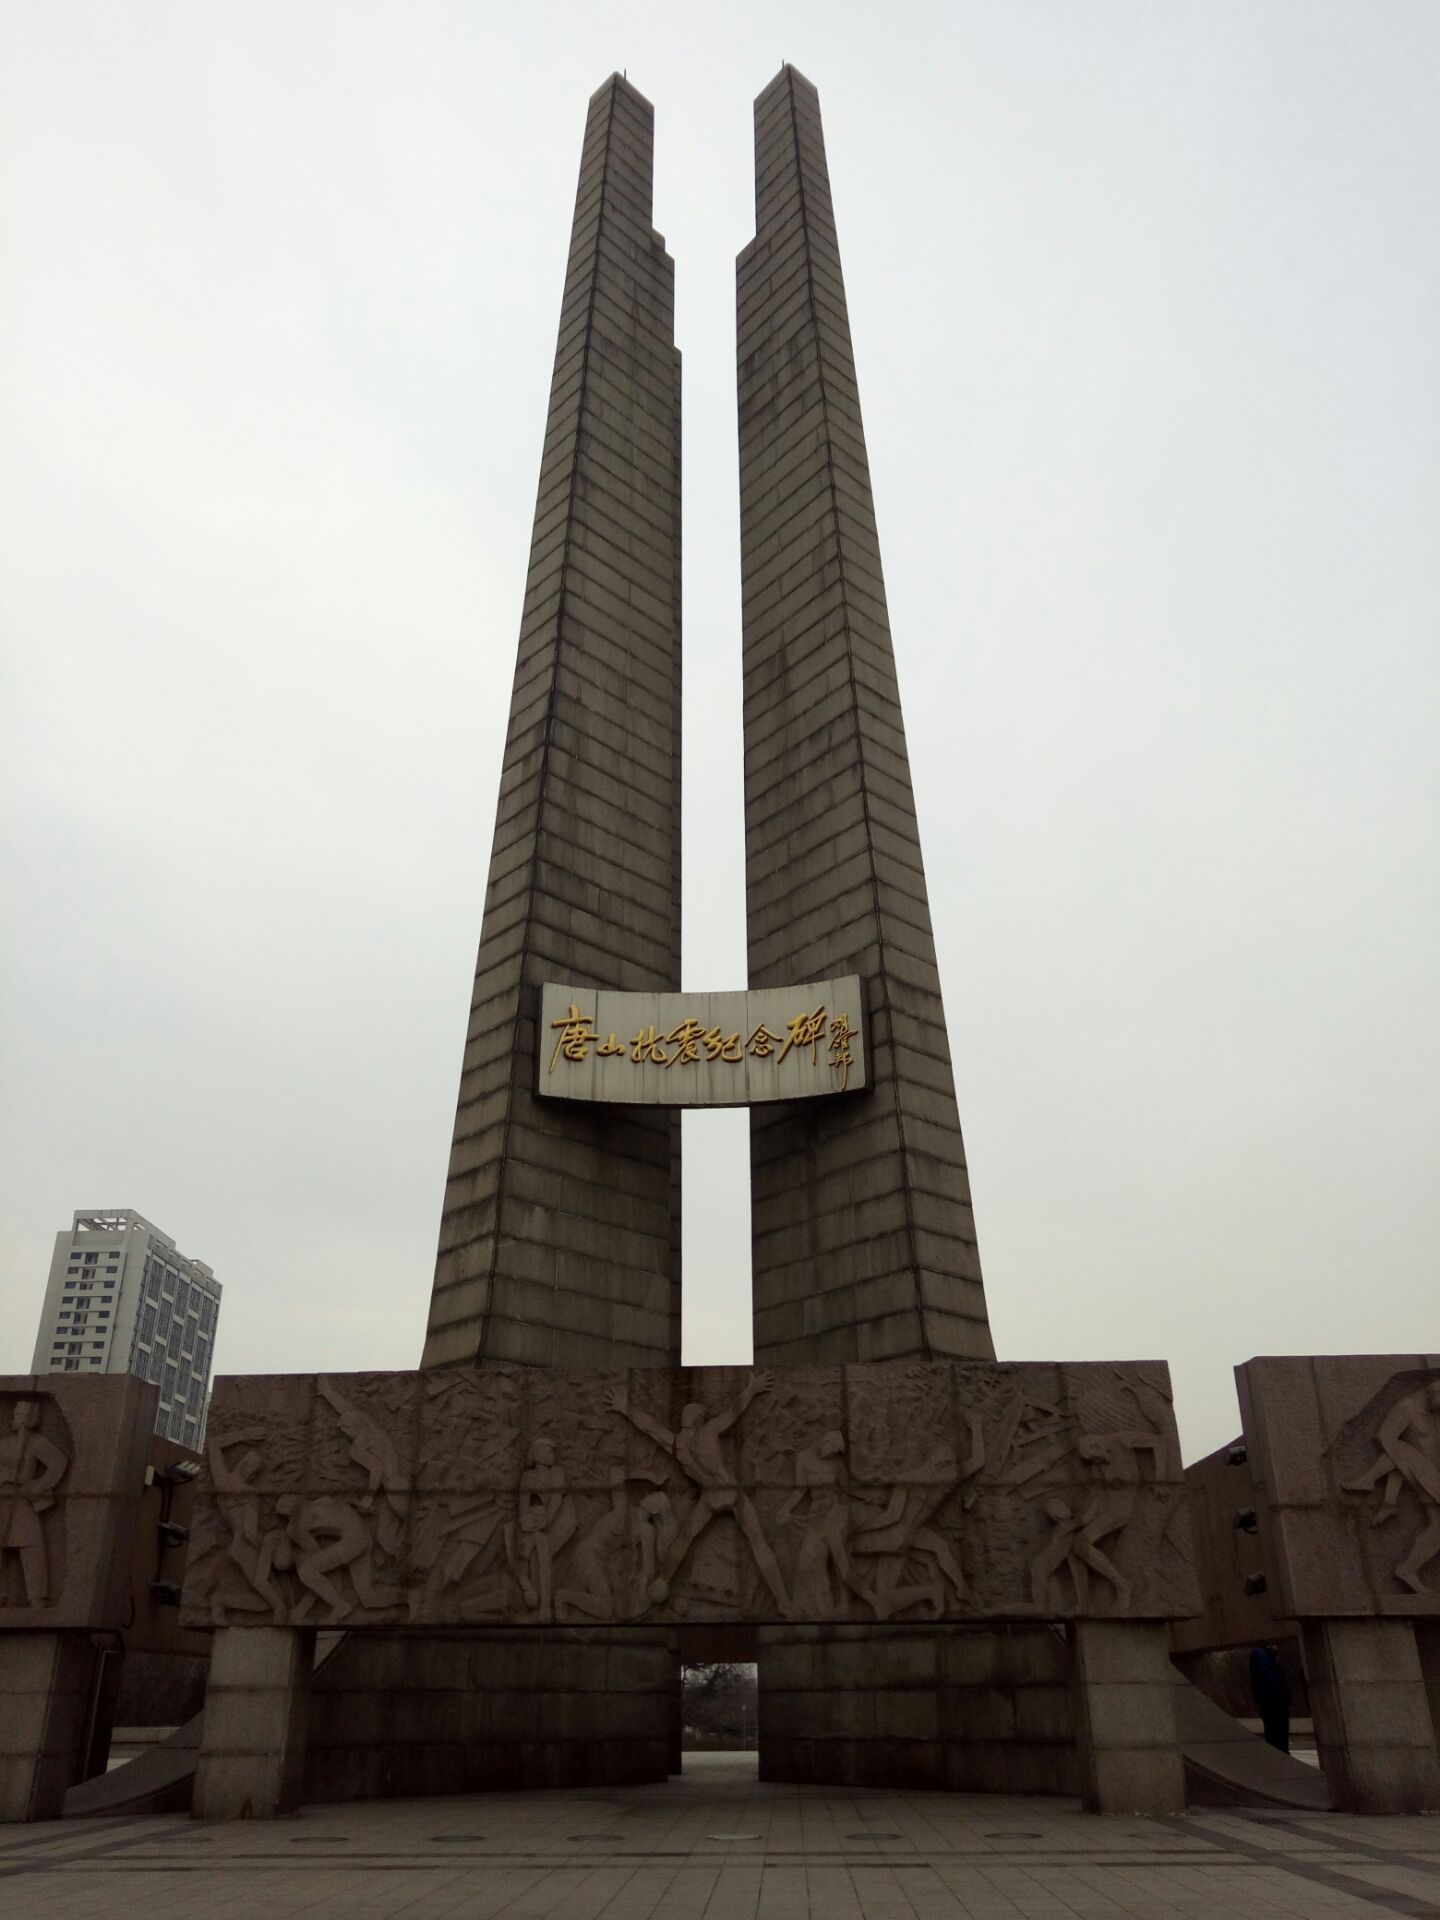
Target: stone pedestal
[
  {"x": 472, "y": 1712},
  {"x": 570, "y": 1495},
  {"x": 1125, "y": 1717},
  {"x": 1373, "y": 1723},
  {"x": 252, "y": 1747},
  {"x": 968, "y": 1709},
  {"x": 45, "y": 1689}
]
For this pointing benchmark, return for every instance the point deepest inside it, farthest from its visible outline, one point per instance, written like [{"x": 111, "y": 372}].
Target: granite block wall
[
  {"x": 969, "y": 1709},
  {"x": 864, "y": 1240},
  {"x": 559, "y": 1239},
  {"x": 474, "y": 1712}
]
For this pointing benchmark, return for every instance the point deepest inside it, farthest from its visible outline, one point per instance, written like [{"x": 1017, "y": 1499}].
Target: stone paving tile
[{"x": 717, "y": 1845}]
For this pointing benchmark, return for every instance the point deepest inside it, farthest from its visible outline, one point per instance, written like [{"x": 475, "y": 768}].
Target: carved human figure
[
  {"x": 697, "y": 1450},
  {"x": 452, "y": 1548},
  {"x": 31, "y": 1467},
  {"x": 822, "y": 1480},
  {"x": 254, "y": 1549},
  {"x": 901, "y": 1531},
  {"x": 657, "y": 1526},
  {"x": 328, "y": 1535},
  {"x": 1076, "y": 1539},
  {"x": 373, "y": 1450},
  {"x": 599, "y": 1580},
  {"x": 1409, "y": 1456},
  {"x": 547, "y": 1524}
]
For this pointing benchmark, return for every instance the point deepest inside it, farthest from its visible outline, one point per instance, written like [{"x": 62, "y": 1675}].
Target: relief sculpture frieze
[
  {"x": 1345, "y": 1453},
  {"x": 501, "y": 1494}
]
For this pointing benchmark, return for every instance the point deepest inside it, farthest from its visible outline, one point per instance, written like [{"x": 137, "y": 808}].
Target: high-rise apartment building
[{"x": 121, "y": 1299}]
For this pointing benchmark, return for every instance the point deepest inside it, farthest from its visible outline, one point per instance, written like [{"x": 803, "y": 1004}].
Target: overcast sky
[{"x": 1146, "y": 302}]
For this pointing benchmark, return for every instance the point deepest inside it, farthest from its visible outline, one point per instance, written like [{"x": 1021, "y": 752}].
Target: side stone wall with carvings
[
  {"x": 72, "y": 1464},
  {"x": 1345, "y": 1453}
]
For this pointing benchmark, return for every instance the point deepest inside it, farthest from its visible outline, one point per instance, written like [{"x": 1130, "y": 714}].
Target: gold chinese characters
[{"x": 689, "y": 1043}]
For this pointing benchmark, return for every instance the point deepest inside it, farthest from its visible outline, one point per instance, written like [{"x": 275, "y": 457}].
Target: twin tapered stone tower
[
  {"x": 952, "y": 1573},
  {"x": 560, "y": 1237}
]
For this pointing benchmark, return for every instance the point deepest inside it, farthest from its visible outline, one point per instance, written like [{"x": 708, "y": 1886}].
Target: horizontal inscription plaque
[{"x": 702, "y": 1049}]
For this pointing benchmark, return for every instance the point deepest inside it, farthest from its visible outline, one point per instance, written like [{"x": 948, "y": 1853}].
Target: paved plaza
[{"x": 718, "y": 1845}]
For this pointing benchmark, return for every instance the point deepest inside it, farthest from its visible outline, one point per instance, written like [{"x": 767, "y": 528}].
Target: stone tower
[
  {"x": 559, "y": 1238},
  {"x": 864, "y": 1241}
]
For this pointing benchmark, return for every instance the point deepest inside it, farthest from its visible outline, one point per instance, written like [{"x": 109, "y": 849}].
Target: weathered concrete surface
[
  {"x": 253, "y": 1737},
  {"x": 1125, "y": 1729},
  {"x": 45, "y": 1686},
  {"x": 864, "y": 1240},
  {"x": 559, "y": 1240},
  {"x": 471, "y": 1712},
  {"x": 1218, "y": 1488},
  {"x": 1373, "y": 1725},
  {"x": 965, "y": 1709},
  {"x": 503, "y": 1495}
]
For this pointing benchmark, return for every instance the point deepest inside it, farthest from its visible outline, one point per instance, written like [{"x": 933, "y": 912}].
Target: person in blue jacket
[{"x": 1270, "y": 1691}]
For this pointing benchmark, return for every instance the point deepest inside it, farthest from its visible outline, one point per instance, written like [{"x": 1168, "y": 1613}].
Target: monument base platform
[
  {"x": 392, "y": 1716},
  {"x": 464, "y": 1712},
  {"x": 1083, "y": 1709},
  {"x": 973, "y": 1709}
]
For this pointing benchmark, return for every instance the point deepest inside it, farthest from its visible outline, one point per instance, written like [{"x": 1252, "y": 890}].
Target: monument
[
  {"x": 958, "y": 1571},
  {"x": 511, "y": 1536}
]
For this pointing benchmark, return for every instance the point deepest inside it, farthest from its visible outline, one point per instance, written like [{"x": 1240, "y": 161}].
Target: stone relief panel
[
  {"x": 72, "y": 1464},
  {"x": 1395, "y": 1442},
  {"x": 504, "y": 1494},
  {"x": 1345, "y": 1451},
  {"x": 36, "y": 1450}
]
